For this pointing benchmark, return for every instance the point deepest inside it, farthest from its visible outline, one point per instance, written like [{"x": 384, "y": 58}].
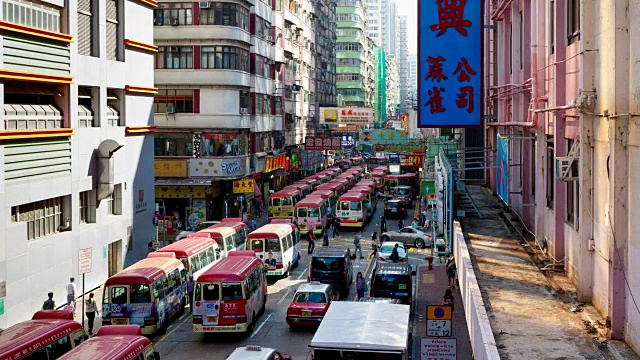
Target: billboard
[
  {"x": 319, "y": 143},
  {"x": 450, "y": 63},
  {"x": 346, "y": 115},
  {"x": 503, "y": 168},
  {"x": 385, "y": 136}
]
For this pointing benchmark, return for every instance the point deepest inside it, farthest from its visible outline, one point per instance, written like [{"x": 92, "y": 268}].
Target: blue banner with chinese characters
[
  {"x": 503, "y": 168},
  {"x": 450, "y": 63}
]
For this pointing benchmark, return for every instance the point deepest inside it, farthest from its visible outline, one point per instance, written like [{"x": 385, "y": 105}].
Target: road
[{"x": 180, "y": 342}]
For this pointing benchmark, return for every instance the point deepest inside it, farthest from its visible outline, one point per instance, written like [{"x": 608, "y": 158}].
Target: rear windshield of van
[
  {"x": 327, "y": 264},
  {"x": 391, "y": 282}
]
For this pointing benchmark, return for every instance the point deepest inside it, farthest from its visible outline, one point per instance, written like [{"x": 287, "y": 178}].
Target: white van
[{"x": 252, "y": 352}]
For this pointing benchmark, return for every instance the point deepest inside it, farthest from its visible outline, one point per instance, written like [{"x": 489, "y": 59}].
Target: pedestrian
[
  {"x": 312, "y": 241},
  {"x": 374, "y": 245},
  {"x": 451, "y": 271},
  {"x": 414, "y": 223},
  {"x": 383, "y": 226},
  {"x": 448, "y": 299},
  {"x": 336, "y": 227},
  {"x": 357, "y": 244},
  {"x": 49, "y": 304},
  {"x": 91, "y": 310},
  {"x": 395, "y": 256},
  {"x": 374, "y": 237},
  {"x": 190, "y": 287},
  {"x": 325, "y": 238},
  {"x": 400, "y": 224},
  {"x": 254, "y": 224},
  {"x": 71, "y": 293},
  {"x": 361, "y": 285}
]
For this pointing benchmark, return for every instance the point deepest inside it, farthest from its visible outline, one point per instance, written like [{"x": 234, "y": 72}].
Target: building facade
[
  {"x": 236, "y": 90},
  {"x": 393, "y": 93},
  {"x": 374, "y": 21},
  {"x": 77, "y": 140},
  {"x": 403, "y": 61},
  {"x": 389, "y": 28},
  {"x": 326, "y": 53},
  {"x": 351, "y": 52},
  {"x": 562, "y": 79},
  {"x": 380, "y": 92},
  {"x": 370, "y": 73},
  {"x": 412, "y": 90}
]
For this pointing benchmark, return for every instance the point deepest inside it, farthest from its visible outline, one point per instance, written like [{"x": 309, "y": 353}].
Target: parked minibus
[
  {"x": 351, "y": 210},
  {"x": 311, "y": 212},
  {"x": 328, "y": 195},
  {"x": 230, "y": 295},
  {"x": 357, "y": 161},
  {"x": 371, "y": 201},
  {"x": 279, "y": 240},
  {"x": 281, "y": 203},
  {"x": 117, "y": 342},
  {"x": 48, "y": 335},
  {"x": 196, "y": 253},
  {"x": 148, "y": 293},
  {"x": 229, "y": 234},
  {"x": 337, "y": 186},
  {"x": 336, "y": 170},
  {"x": 344, "y": 164},
  {"x": 304, "y": 188}
]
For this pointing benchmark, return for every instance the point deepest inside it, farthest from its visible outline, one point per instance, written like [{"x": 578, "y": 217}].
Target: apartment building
[
  {"x": 77, "y": 140},
  {"x": 393, "y": 93},
  {"x": 374, "y": 21},
  {"x": 370, "y": 73},
  {"x": 351, "y": 52},
  {"x": 380, "y": 91},
  {"x": 325, "y": 26},
  {"x": 403, "y": 61}
]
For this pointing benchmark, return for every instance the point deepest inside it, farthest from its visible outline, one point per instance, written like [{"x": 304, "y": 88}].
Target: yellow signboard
[
  {"x": 243, "y": 186},
  {"x": 180, "y": 192},
  {"x": 438, "y": 312},
  {"x": 170, "y": 168}
]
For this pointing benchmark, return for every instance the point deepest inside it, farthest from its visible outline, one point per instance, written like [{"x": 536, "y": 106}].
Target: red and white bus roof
[
  {"x": 369, "y": 185},
  {"x": 310, "y": 201},
  {"x": 230, "y": 269},
  {"x": 285, "y": 193},
  {"x": 231, "y": 220},
  {"x": 221, "y": 230},
  {"x": 324, "y": 193},
  {"x": 27, "y": 337},
  {"x": 361, "y": 189},
  {"x": 351, "y": 196},
  {"x": 270, "y": 231},
  {"x": 116, "y": 342},
  {"x": 378, "y": 158},
  {"x": 298, "y": 185},
  {"x": 402, "y": 176},
  {"x": 144, "y": 272},
  {"x": 187, "y": 247}
]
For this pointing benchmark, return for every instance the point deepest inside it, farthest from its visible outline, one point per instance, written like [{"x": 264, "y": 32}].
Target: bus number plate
[
  {"x": 212, "y": 319},
  {"x": 306, "y": 313}
]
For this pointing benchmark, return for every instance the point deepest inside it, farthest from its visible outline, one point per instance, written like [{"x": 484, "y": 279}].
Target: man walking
[
  {"x": 312, "y": 241},
  {"x": 336, "y": 225},
  {"x": 91, "y": 309},
  {"x": 190, "y": 286},
  {"x": 357, "y": 244},
  {"x": 71, "y": 293},
  {"x": 49, "y": 304}
]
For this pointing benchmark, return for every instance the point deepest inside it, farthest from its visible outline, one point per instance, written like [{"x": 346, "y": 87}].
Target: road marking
[
  {"x": 260, "y": 326},
  {"x": 286, "y": 294},
  {"x": 172, "y": 331},
  {"x": 302, "y": 274}
]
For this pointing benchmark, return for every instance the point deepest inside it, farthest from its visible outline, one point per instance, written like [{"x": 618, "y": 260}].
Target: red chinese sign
[
  {"x": 318, "y": 143},
  {"x": 411, "y": 160}
]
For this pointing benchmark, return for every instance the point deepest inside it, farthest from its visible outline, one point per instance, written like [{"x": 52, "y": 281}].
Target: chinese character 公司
[
  {"x": 465, "y": 70},
  {"x": 451, "y": 15},
  {"x": 465, "y": 98},
  {"x": 435, "y": 72},
  {"x": 435, "y": 100}
]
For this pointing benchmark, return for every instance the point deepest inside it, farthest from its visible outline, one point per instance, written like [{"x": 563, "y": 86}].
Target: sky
[{"x": 410, "y": 9}]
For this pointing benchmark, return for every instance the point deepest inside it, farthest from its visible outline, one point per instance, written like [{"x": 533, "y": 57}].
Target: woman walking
[
  {"x": 91, "y": 309},
  {"x": 361, "y": 285}
]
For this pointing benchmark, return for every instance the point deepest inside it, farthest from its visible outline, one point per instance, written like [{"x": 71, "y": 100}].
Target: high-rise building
[
  {"x": 351, "y": 52},
  {"x": 76, "y": 143},
  {"x": 374, "y": 21},
  {"x": 380, "y": 93},
  {"x": 325, "y": 53},
  {"x": 393, "y": 93},
  {"x": 370, "y": 72},
  {"x": 412, "y": 91},
  {"x": 403, "y": 61},
  {"x": 390, "y": 28}
]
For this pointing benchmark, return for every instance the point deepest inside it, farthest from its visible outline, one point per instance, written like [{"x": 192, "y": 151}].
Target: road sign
[
  {"x": 84, "y": 261},
  {"x": 439, "y": 321},
  {"x": 438, "y": 349}
]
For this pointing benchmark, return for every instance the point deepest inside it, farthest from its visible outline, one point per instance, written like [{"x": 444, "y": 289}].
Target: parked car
[
  {"x": 395, "y": 209},
  {"x": 409, "y": 236},
  {"x": 310, "y": 302},
  {"x": 384, "y": 252},
  {"x": 404, "y": 193}
]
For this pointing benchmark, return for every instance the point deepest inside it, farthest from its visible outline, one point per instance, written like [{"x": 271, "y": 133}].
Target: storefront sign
[
  {"x": 405, "y": 123},
  {"x": 180, "y": 192},
  {"x": 411, "y": 160},
  {"x": 170, "y": 168},
  {"x": 354, "y": 115},
  {"x": 141, "y": 204},
  {"x": 218, "y": 167},
  {"x": 385, "y": 136},
  {"x": 401, "y": 148},
  {"x": 276, "y": 162},
  {"x": 318, "y": 143},
  {"x": 243, "y": 186},
  {"x": 346, "y": 129}
]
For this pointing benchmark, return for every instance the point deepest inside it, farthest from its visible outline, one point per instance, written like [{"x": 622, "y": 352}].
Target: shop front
[
  {"x": 275, "y": 171},
  {"x": 183, "y": 204}
]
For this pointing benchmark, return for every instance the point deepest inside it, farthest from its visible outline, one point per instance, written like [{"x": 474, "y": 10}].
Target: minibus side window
[
  {"x": 229, "y": 244},
  {"x": 197, "y": 291},
  {"x": 118, "y": 295},
  {"x": 211, "y": 257}
]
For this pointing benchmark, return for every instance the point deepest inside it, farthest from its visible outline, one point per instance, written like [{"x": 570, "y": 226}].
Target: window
[
  {"x": 86, "y": 105},
  {"x": 113, "y": 36},
  {"x": 173, "y": 101},
  {"x": 173, "y": 14},
  {"x": 573, "y": 20},
  {"x": 349, "y": 77},
  {"x": 226, "y": 14},
  {"x": 263, "y": 67},
  {"x": 114, "y": 107},
  {"x": 550, "y": 173},
  {"x": 43, "y": 218},
  {"x": 86, "y": 28},
  {"x": 221, "y": 145},
  {"x": 38, "y": 15},
  {"x": 114, "y": 201},
  {"x": 87, "y": 207},
  {"x": 174, "y": 57},
  {"x": 348, "y": 47},
  {"x": 266, "y": 104},
  {"x": 245, "y": 100},
  {"x": 231, "y": 291},
  {"x": 552, "y": 26},
  {"x": 224, "y": 57},
  {"x": 573, "y": 196}
]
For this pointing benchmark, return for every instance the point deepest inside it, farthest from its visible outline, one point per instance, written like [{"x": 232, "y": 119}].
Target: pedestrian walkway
[
  {"x": 529, "y": 317},
  {"x": 430, "y": 288}
]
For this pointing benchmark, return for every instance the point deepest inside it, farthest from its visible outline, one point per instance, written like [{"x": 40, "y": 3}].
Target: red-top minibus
[
  {"x": 311, "y": 212},
  {"x": 281, "y": 241},
  {"x": 230, "y": 295},
  {"x": 351, "y": 210},
  {"x": 230, "y": 235},
  {"x": 196, "y": 253},
  {"x": 117, "y": 342},
  {"x": 48, "y": 335}
]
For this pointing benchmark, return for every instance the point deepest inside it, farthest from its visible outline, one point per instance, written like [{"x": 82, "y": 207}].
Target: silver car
[
  {"x": 409, "y": 236},
  {"x": 384, "y": 252}
]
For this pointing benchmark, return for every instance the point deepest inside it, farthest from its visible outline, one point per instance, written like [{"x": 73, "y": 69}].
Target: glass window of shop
[
  {"x": 224, "y": 145},
  {"x": 173, "y": 14},
  {"x": 174, "y": 145},
  {"x": 226, "y": 14}
]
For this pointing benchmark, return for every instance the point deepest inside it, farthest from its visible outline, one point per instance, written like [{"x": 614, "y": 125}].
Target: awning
[
  {"x": 182, "y": 182},
  {"x": 256, "y": 190}
]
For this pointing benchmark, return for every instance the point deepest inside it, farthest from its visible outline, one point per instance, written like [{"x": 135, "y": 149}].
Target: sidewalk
[
  {"x": 529, "y": 316},
  {"x": 430, "y": 288}
]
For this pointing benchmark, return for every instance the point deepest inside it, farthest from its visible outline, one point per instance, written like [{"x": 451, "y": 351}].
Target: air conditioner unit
[
  {"x": 567, "y": 168},
  {"x": 205, "y": 4},
  {"x": 171, "y": 110},
  {"x": 244, "y": 111},
  {"x": 174, "y": 22}
]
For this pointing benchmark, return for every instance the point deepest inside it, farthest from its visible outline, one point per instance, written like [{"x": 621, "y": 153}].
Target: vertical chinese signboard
[
  {"x": 450, "y": 63},
  {"x": 503, "y": 168}
]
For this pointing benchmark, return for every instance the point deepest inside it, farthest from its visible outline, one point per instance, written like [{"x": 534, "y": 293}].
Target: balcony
[
  {"x": 201, "y": 32},
  {"x": 219, "y": 167},
  {"x": 202, "y": 77}
]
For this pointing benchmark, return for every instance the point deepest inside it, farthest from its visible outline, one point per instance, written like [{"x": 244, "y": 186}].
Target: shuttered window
[
  {"x": 112, "y": 30},
  {"x": 85, "y": 29}
]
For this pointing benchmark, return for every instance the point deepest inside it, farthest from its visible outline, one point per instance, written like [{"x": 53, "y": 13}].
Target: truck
[{"x": 363, "y": 331}]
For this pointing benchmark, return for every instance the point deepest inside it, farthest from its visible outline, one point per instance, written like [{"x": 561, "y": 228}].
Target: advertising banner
[
  {"x": 411, "y": 160},
  {"x": 170, "y": 168},
  {"x": 503, "y": 168},
  {"x": 386, "y": 136},
  {"x": 276, "y": 162},
  {"x": 218, "y": 167},
  {"x": 319, "y": 143},
  {"x": 349, "y": 115},
  {"x": 395, "y": 148},
  {"x": 450, "y": 68}
]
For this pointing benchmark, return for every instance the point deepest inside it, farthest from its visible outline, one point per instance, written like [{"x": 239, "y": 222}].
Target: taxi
[
  {"x": 252, "y": 352},
  {"x": 310, "y": 302}
]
